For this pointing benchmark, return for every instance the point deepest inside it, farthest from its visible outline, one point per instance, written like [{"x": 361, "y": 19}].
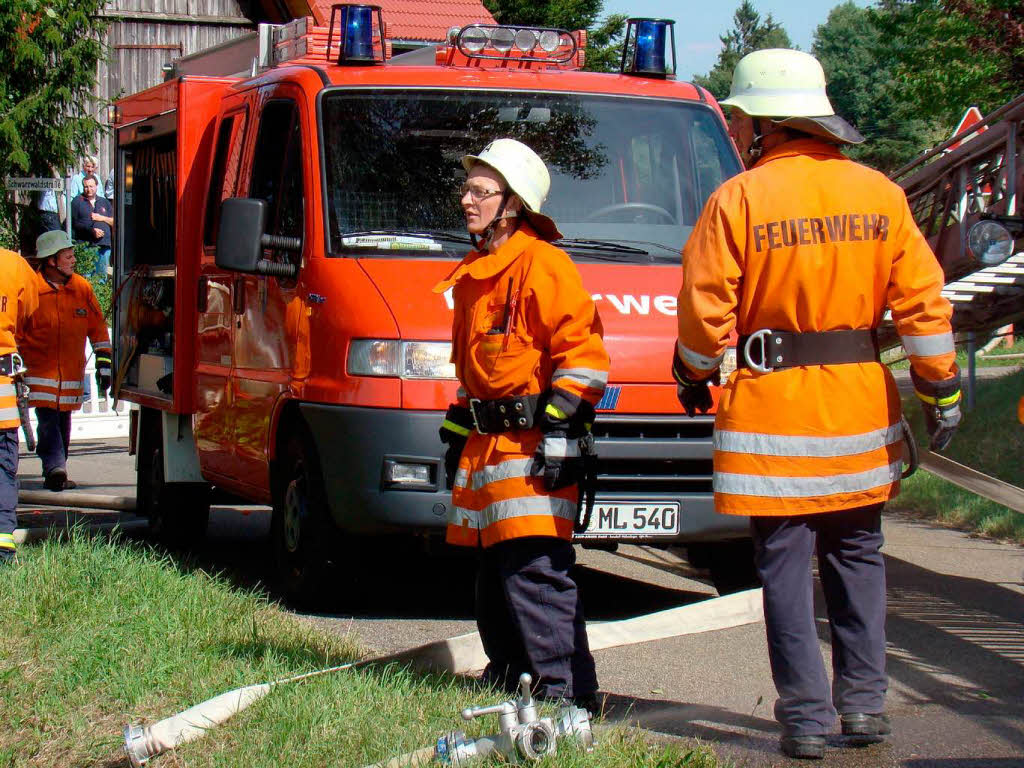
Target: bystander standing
[
  {"x": 52, "y": 344},
  {"x": 91, "y": 220},
  {"x": 90, "y": 169}
]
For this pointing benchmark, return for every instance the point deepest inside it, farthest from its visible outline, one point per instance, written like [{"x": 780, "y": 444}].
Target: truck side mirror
[
  {"x": 240, "y": 236},
  {"x": 240, "y": 240}
]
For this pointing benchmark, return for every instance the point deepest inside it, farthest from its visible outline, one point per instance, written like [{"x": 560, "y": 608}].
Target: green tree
[
  {"x": 864, "y": 89},
  {"x": 604, "y": 38},
  {"x": 950, "y": 54},
  {"x": 49, "y": 51},
  {"x": 749, "y": 33}
]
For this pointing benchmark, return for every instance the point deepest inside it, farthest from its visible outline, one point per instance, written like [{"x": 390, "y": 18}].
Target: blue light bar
[
  {"x": 355, "y": 39},
  {"x": 644, "y": 51}
]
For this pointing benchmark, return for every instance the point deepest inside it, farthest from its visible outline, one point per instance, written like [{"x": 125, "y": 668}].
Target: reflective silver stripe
[
  {"x": 560, "y": 447},
  {"x": 588, "y": 377},
  {"x": 507, "y": 509},
  {"x": 71, "y": 399},
  {"x": 72, "y": 385},
  {"x": 802, "y": 445},
  {"x": 9, "y": 414},
  {"x": 464, "y": 518},
  {"x": 8, "y": 390},
  {"x": 804, "y": 487},
  {"x": 34, "y": 381},
  {"x": 461, "y": 478},
  {"x": 504, "y": 471},
  {"x": 926, "y": 346},
  {"x": 697, "y": 360},
  {"x": 101, "y": 346},
  {"x": 44, "y": 397}
]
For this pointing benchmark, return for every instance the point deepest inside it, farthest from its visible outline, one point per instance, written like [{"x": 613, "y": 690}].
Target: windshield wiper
[{"x": 600, "y": 245}]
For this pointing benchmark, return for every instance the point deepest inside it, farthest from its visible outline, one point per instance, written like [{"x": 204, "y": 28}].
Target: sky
[{"x": 698, "y": 25}]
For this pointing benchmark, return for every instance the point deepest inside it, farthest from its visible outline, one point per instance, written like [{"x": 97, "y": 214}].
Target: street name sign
[{"x": 30, "y": 184}]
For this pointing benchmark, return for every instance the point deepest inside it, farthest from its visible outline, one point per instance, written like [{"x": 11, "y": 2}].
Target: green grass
[
  {"x": 98, "y": 633},
  {"x": 990, "y": 440}
]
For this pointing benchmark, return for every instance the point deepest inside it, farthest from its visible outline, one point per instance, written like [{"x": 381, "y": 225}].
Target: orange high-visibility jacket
[
  {"x": 809, "y": 241},
  {"x": 53, "y": 342},
  {"x": 18, "y": 300},
  {"x": 553, "y": 342}
]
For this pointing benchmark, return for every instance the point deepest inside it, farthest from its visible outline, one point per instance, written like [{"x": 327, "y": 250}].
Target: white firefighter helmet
[
  {"x": 526, "y": 176},
  {"x": 789, "y": 87}
]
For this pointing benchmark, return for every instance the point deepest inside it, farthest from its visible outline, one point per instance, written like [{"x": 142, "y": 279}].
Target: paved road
[{"x": 956, "y": 634}]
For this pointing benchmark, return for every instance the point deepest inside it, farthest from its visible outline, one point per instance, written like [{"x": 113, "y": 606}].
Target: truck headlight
[{"x": 402, "y": 359}]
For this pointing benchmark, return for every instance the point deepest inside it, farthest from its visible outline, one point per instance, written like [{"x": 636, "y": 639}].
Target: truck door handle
[{"x": 238, "y": 299}]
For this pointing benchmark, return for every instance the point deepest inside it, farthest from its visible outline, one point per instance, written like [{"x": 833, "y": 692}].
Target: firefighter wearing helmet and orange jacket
[
  {"x": 53, "y": 345},
  {"x": 801, "y": 255},
  {"x": 528, "y": 351}
]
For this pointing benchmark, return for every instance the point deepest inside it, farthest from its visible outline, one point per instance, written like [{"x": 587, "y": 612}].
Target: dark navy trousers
[
  {"x": 530, "y": 616},
  {"x": 53, "y": 438},
  {"x": 8, "y": 490},
  {"x": 852, "y": 572}
]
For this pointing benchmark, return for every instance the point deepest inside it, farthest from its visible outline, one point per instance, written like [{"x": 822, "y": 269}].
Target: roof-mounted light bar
[
  {"x": 357, "y": 34},
  {"x": 644, "y": 50},
  {"x": 544, "y": 44}
]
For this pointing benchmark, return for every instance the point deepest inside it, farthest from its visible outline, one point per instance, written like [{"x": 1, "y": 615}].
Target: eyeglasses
[{"x": 477, "y": 194}]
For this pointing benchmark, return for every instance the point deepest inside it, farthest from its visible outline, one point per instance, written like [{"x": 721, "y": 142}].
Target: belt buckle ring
[
  {"x": 761, "y": 337},
  {"x": 473, "y": 403},
  {"x": 17, "y": 363}
]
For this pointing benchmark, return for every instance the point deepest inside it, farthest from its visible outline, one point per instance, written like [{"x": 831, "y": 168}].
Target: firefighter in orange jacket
[
  {"x": 527, "y": 348},
  {"x": 18, "y": 300},
  {"x": 53, "y": 345},
  {"x": 801, "y": 255}
]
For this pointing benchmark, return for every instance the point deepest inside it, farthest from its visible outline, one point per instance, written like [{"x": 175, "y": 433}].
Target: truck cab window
[
  {"x": 225, "y": 171},
  {"x": 277, "y": 171}
]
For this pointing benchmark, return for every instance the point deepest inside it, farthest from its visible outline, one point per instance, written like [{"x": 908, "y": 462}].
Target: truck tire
[
  {"x": 301, "y": 529},
  {"x": 178, "y": 513},
  {"x": 730, "y": 563}
]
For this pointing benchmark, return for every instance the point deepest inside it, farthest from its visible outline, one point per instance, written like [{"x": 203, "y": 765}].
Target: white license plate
[{"x": 633, "y": 519}]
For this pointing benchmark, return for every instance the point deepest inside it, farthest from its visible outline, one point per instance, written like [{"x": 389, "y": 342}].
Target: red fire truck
[{"x": 279, "y": 234}]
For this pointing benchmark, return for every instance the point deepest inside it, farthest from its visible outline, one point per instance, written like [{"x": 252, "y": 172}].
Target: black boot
[
  {"x": 864, "y": 728},
  {"x": 803, "y": 747}
]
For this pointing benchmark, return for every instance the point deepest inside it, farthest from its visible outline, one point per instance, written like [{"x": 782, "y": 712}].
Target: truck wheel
[
  {"x": 731, "y": 564},
  {"x": 178, "y": 512},
  {"x": 301, "y": 529}
]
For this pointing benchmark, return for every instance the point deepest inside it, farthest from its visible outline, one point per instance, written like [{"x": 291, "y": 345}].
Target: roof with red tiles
[{"x": 427, "y": 20}]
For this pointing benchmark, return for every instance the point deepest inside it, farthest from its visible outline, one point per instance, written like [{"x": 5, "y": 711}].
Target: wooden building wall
[{"x": 144, "y": 35}]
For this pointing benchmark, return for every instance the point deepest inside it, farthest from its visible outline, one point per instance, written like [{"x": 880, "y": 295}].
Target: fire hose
[{"x": 455, "y": 655}]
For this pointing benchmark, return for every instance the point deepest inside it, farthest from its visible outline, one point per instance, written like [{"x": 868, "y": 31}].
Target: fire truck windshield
[{"x": 624, "y": 171}]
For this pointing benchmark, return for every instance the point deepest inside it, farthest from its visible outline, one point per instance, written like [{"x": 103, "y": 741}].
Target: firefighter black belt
[
  {"x": 10, "y": 364},
  {"x": 766, "y": 350},
  {"x": 506, "y": 414}
]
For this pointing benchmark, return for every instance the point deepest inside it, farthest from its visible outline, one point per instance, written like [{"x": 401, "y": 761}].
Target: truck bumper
[{"x": 357, "y": 445}]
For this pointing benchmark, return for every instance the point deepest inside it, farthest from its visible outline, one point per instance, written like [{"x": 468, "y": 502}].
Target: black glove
[
  {"x": 454, "y": 432},
  {"x": 103, "y": 372},
  {"x": 940, "y": 401},
  {"x": 693, "y": 395}
]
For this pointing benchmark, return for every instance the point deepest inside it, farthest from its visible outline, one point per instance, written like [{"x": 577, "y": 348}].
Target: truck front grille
[{"x": 641, "y": 455}]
